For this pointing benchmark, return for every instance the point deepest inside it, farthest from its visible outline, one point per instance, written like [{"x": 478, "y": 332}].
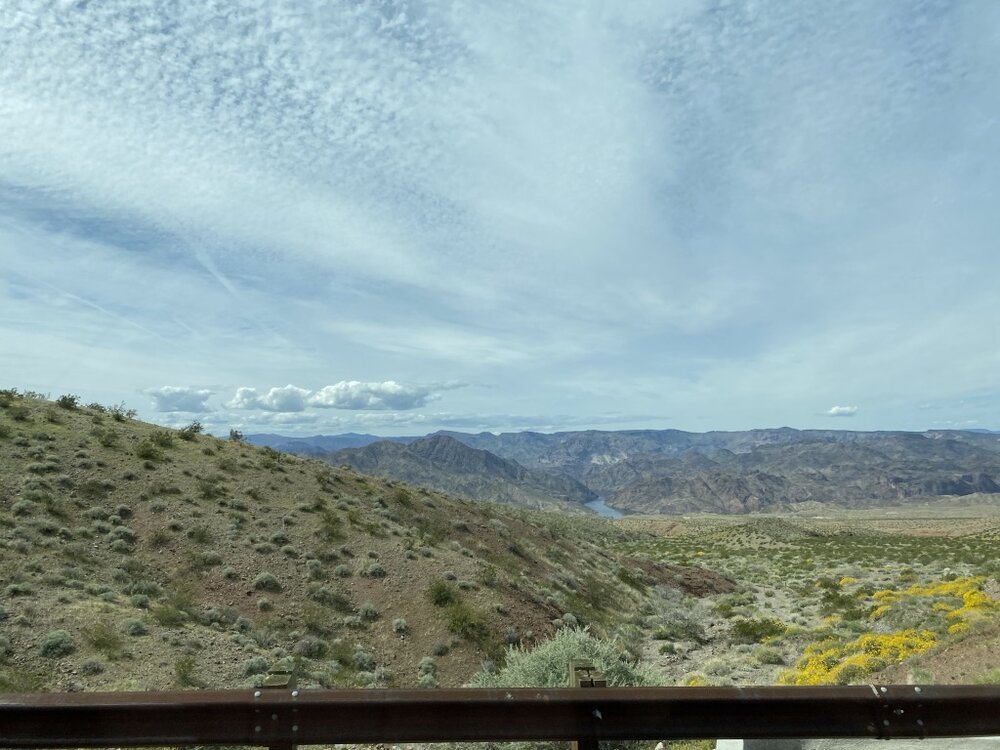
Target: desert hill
[
  {"x": 137, "y": 557},
  {"x": 447, "y": 465},
  {"x": 671, "y": 471}
]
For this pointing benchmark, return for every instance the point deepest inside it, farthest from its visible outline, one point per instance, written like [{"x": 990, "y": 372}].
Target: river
[{"x": 602, "y": 509}]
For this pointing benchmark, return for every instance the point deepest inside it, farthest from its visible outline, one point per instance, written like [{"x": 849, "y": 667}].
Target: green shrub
[
  {"x": 546, "y": 664},
  {"x": 68, "y": 401},
  {"x": 57, "y": 643},
  {"x": 190, "y": 432},
  {"x": 254, "y": 665},
  {"x": 104, "y": 638},
  {"x": 755, "y": 630},
  {"x": 184, "y": 669},
  {"x": 399, "y": 626},
  {"x": 368, "y": 611},
  {"x": 135, "y": 627},
  {"x": 440, "y": 594},
  {"x": 266, "y": 582}
]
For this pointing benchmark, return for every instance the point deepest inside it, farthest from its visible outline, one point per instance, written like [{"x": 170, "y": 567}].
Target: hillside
[
  {"x": 444, "y": 464},
  {"x": 136, "y": 557},
  {"x": 671, "y": 471}
]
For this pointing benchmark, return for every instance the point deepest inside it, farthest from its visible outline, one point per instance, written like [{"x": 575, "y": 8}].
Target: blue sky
[{"x": 396, "y": 217}]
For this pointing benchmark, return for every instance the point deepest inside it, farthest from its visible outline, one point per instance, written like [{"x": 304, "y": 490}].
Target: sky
[{"x": 306, "y": 217}]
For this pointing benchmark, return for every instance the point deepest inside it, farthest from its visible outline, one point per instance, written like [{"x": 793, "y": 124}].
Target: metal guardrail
[{"x": 283, "y": 718}]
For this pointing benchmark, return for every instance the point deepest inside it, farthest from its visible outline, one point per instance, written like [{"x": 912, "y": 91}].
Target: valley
[{"x": 135, "y": 557}]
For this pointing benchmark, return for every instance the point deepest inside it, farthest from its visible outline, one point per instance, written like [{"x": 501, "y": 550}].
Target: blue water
[{"x": 599, "y": 507}]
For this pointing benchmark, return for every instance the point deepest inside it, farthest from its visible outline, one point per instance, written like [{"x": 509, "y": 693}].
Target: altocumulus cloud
[
  {"x": 347, "y": 394},
  {"x": 841, "y": 411},
  {"x": 175, "y": 398}
]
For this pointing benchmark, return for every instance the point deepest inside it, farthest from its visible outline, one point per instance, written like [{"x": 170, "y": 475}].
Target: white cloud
[
  {"x": 388, "y": 395},
  {"x": 174, "y": 398},
  {"x": 842, "y": 411},
  {"x": 287, "y": 398},
  {"x": 347, "y": 394}
]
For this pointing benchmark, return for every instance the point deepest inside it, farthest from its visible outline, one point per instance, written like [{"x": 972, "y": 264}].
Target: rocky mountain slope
[
  {"x": 137, "y": 557},
  {"x": 671, "y": 471},
  {"x": 447, "y": 465}
]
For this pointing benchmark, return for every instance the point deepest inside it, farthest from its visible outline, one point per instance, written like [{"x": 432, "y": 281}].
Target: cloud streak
[{"x": 642, "y": 207}]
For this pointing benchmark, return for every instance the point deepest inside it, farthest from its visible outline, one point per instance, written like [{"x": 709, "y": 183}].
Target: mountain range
[{"x": 673, "y": 471}]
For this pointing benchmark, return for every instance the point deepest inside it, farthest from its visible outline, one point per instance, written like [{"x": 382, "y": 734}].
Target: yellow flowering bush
[
  {"x": 961, "y": 600},
  {"x": 829, "y": 662}
]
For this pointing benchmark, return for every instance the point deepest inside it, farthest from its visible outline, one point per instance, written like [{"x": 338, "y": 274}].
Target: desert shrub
[
  {"x": 755, "y": 630},
  {"x": 120, "y": 413},
  {"x": 168, "y": 615},
  {"x": 133, "y": 626},
  {"x": 440, "y": 594},
  {"x": 376, "y": 570},
  {"x": 310, "y": 647},
  {"x": 229, "y": 573},
  {"x": 57, "y": 643},
  {"x": 91, "y": 667},
  {"x": 343, "y": 571},
  {"x": 264, "y": 604},
  {"x": 362, "y": 661},
  {"x": 200, "y": 534},
  {"x": 190, "y": 432},
  {"x": 399, "y": 625},
  {"x": 546, "y": 664},
  {"x": 254, "y": 665},
  {"x": 266, "y": 582},
  {"x": 368, "y": 611},
  {"x": 440, "y": 649},
  {"x": 184, "y": 670},
  {"x": 767, "y": 655},
  {"x": 104, "y": 638},
  {"x": 68, "y": 401}
]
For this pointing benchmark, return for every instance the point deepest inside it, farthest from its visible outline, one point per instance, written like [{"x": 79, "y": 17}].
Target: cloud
[
  {"x": 287, "y": 398},
  {"x": 173, "y": 398},
  {"x": 388, "y": 395},
  {"x": 842, "y": 411},
  {"x": 351, "y": 395}
]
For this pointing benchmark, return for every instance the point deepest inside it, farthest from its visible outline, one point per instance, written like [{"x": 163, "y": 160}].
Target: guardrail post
[
  {"x": 281, "y": 676},
  {"x": 583, "y": 675}
]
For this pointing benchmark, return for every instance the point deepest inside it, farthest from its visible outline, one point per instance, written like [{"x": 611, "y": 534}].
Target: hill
[
  {"x": 444, "y": 464},
  {"x": 671, "y": 471},
  {"x": 137, "y": 557}
]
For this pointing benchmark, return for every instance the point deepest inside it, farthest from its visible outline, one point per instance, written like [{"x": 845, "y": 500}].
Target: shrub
[
  {"x": 342, "y": 571},
  {"x": 254, "y": 665},
  {"x": 264, "y": 604},
  {"x": 68, "y": 401},
  {"x": 399, "y": 625},
  {"x": 310, "y": 647},
  {"x": 440, "y": 594},
  {"x": 266, "y": 582},
  {"x": 440, "y": 649},
  {"x": 368, "y": 611},
  {"x": 120, "y": 413},
  {"x": 133, "y": 626},
  {"x": 57, "y": 643},
  {"x": 376, "y": 570},
  {"x": 91, "y": 667},
  {"x": 755, "y": 630},
  {"x": 148, "y": 451},
  {"x": 162, "y": 438},
  {"x": 103, "y": 637},
  {"x": 184, "y": 669},
  {"x": 191, "y": 431},
  {"x": 362, "y": 661}
]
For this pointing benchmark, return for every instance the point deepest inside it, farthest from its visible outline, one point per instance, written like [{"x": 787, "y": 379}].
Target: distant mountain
[
  {"x": 317, "y": 445},
  {"x": 444, "y": 464},
  {"x": 672, "y": 471}
]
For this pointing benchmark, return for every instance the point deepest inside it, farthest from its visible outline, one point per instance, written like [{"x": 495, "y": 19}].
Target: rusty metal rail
[{"x": 292, "y": 717}]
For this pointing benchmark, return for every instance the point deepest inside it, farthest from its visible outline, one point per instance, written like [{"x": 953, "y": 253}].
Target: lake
[{"x": 602, "y": 509}]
